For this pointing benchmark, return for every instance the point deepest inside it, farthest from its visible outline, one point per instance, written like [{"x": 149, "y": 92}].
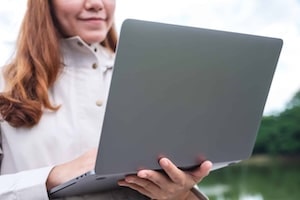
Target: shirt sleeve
[{"x": 24, "y": 185}]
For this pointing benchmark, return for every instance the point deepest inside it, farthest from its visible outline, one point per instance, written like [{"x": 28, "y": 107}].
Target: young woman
[{"x": 53, "y": 96}]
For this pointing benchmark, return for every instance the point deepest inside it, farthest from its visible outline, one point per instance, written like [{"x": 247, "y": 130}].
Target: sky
[{"x": 272, "y": 18}]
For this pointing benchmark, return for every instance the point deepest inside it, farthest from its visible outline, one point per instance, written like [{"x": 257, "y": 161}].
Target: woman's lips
[{"x": 93, "y": 20}]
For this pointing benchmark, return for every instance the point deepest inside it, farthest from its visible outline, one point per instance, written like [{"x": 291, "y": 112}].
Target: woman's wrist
[
  {"x": 189, "y": 195},
  {"x": 52, "y": 179}
]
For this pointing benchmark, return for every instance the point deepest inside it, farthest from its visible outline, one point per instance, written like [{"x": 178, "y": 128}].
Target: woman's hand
[
  {"x": 64, "y": 172},
  {"x": 175, "y": 186}
]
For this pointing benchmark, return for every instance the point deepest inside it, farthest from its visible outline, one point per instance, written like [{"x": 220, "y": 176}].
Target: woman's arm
[{"x": 66, "y": 171}]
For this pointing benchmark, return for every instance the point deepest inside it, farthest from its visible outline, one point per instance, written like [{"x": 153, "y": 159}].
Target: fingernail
[
  {"x": 129, "y": 180},
  {"x": 164, "y": 162},
  {"x": 142, "y": 174},
  {"x": 121, "y": 184}
]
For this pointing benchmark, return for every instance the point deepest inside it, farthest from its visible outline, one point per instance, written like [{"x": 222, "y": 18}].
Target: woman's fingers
[
  {"x": 176, "y": 175},
  {"x": 141, "y": 185},
  {"x": 201, "y": 172},
  {"x": 172, "y": 184}
]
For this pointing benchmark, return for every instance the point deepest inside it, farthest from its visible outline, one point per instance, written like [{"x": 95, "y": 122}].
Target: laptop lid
[{"x": 186, "y": 93}]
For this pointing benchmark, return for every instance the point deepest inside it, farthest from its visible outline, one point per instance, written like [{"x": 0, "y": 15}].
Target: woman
[{"x": 53, "y": 95}]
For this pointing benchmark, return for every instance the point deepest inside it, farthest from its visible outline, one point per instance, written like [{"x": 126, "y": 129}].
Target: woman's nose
[{"x": 94, "y": 5}]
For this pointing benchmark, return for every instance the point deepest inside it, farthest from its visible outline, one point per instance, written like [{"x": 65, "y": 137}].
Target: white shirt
[{"x": 30, "y": 153}]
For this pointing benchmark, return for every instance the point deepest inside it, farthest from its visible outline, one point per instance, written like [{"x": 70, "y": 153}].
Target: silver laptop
[{"x": 186, "y": 93}]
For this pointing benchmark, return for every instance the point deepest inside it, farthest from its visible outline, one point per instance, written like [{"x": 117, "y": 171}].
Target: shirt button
[
  {"x": 94, "y": 66},
  {"x": 99, "y": 103}
]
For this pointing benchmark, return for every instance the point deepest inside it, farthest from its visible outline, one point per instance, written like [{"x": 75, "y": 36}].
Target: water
[{"x": 255, "y": 181}]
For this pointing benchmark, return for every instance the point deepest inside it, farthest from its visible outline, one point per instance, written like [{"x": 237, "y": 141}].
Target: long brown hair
[{"x": 35, "y": 66}]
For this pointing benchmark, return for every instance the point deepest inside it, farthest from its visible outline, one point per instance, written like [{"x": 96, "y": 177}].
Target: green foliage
[
  {"x": 295, "y": 101},
  {"x": 281, "y": 134}
]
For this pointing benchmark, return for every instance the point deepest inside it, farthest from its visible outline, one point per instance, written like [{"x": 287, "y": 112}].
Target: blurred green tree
[{"x": 280, "y": 134}]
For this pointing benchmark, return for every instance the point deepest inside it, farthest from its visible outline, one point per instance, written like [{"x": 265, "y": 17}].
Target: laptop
[{"x": 187, "y": 93}]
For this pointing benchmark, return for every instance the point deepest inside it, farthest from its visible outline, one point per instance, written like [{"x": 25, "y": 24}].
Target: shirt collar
[{"x": 76, "y": 46}]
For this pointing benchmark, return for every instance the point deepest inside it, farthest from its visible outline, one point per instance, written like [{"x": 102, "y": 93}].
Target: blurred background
[{"x": 273, "y": 171}]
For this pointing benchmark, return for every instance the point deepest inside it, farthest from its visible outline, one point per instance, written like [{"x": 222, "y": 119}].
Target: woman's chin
[{"x": 93, "y": 38}]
